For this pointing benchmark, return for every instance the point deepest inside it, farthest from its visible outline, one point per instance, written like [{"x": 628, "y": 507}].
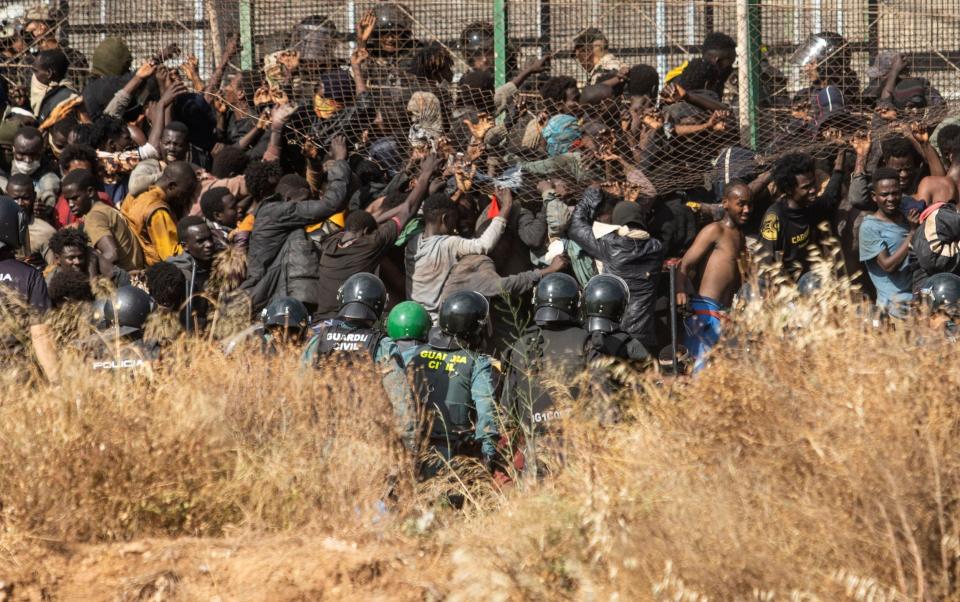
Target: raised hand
[
  {"x": 861, "y": 143},
  {"x": 365, "y": 28},
  {"x": 338, "y": 147},
  {"x": 481, "y": 127}
]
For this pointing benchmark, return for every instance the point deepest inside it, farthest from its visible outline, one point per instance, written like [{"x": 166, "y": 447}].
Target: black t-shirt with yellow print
[{"x": 790, "y": 233}]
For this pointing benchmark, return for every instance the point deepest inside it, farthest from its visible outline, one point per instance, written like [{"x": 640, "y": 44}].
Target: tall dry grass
[{"x": 814, "y": 461}]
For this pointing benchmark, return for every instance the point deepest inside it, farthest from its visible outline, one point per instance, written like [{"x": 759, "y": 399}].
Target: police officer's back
[
  {"x": 455, "y": 383},
  {"x": 354, "y": 333},
  {"x": 605, "y": 299},
  {"x": 555, "y": 343},
  {"x": 284, "y": 321},
  {"x": 354, "y": 336}
]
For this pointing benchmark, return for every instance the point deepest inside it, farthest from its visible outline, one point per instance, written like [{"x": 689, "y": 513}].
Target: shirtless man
[
  {"x": 718, "y": 248},
  {"x": 936, "y": 189}
]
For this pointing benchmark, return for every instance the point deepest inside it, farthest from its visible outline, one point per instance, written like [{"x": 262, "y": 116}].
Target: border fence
[{"x": 661, "y": 33}]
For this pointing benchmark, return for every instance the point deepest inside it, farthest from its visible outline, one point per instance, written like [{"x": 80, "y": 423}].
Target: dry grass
[{"x": 818, "y": 464}]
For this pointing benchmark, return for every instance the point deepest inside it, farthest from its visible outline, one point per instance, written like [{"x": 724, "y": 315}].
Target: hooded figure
[
  {"x": 560, "y": 134},
  {"x": 427, "y": 117}
]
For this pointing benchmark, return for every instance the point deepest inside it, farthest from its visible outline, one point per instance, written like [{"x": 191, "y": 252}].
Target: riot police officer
[
  {"x": 354, "y": 332},
  {"x": 119, "y": 342},
  {"x": 22, "y": 278},
  {"x": 476, "y": 44},
  {"x": 355, "y": 335},
  {"x": 555, "y": 342},
  {"x": 393, "y": 32},
  {"x": 284, "y": 321},
  {"x": 454, "y": 382},
  {"x": 408, "y": 324},
  {"x": 809, "y": 284},
  {"x": 605, "y": 299},
  {"x": 25, "y": 283},
  {"x": 942, "y": 293}
]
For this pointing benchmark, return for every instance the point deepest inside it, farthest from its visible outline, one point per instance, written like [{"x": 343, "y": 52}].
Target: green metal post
[
  {"x": 246, "y": 34},
  {"x": 748, "y": 57},
  {"x": 500, "y": 42}
]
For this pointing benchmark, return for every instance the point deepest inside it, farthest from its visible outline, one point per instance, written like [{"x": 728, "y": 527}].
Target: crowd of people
[{"x": 465, "y": 236}]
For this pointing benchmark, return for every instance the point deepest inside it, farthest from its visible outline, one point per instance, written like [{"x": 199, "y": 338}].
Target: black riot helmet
[
  {"x": 557, "y": 299},
  {"x": 127, "y": 310},
  {"x": 362, "y": 297},
  {"x": 941, "y": 292},
  {"x": 315, "y": 38},
  {"x": 393, "y": 17},
  {"x": 809, "y": 283},
  {"x": 605, "y": 299},
  {"x": 287, "y": 313},
  {"x": 13, "y": 224},
  {"x": 476, "y": 38},
  {"x": 464, "y": 315}
]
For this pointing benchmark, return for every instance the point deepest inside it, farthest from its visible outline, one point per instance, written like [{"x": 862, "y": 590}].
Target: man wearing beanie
[{"x": 111, "y": 58}]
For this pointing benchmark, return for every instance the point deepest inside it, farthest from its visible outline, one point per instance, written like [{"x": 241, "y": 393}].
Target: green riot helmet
[
  {"x": 464, "y": 315},
  {"x": 605, "y": 299},
  {"x": 557, "y": 299},
  {"x": 127, "y": 310},
  {"x": 287, "y": 313},
  {"x": 408, "y": 321},
  {"x": 941, "y": 292},
  {"x": 13, "y": 224},
  {"x": 809, "y": 283},
  {"x": 362, "y": 297}
]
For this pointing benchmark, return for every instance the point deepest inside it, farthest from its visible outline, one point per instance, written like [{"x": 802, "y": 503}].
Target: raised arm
[
  {"x": 581, "y": 224},
  {"x": 121, "y": 100},
  {"x": 357, "y": 59},
  {"x": 277, "y": 121},
  {"x": 491, "y": 236},
  {"x": 409, "y": 207},
  {"x": 229, "y": 51},
  {"x": 159, "y": 120},
  {"x": 918, "y": 135}
]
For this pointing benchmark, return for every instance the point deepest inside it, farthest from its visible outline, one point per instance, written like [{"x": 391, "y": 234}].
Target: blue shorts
[{"x": 702, "y": 329}]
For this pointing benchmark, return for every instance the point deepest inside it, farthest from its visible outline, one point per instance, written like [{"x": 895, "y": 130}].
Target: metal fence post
[
  {"x": 246, "y": 35},
  {"x": 748, "y": 75},
  {"x": 500, "y": 42}
]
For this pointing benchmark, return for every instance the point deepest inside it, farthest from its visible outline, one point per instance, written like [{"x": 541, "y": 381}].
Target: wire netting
[{"x": 814, "y": 93}]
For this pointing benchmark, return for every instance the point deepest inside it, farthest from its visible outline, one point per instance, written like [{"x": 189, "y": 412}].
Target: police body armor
[
  {"x": 442, "y": 374},
  {"x": 337, "y": 338},
  {"x": 543, "y": 350},
  {"x": 619, "y": 344},
  {"x": 107, "y": 354}
]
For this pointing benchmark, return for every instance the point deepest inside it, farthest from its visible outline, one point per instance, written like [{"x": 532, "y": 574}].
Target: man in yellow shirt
[{"x": 153, "y": 214}]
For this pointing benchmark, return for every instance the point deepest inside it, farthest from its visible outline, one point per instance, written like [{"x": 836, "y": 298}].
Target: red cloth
[
  {"x": 61, "y": 211},
  {"x": 494, "y": 209}
]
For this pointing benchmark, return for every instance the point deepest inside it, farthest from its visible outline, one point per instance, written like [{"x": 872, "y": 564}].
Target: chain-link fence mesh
[{"x": 811, "y": 94}]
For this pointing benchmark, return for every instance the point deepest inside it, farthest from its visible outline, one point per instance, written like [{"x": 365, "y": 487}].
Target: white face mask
[{"x": 24, "y": 167}]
